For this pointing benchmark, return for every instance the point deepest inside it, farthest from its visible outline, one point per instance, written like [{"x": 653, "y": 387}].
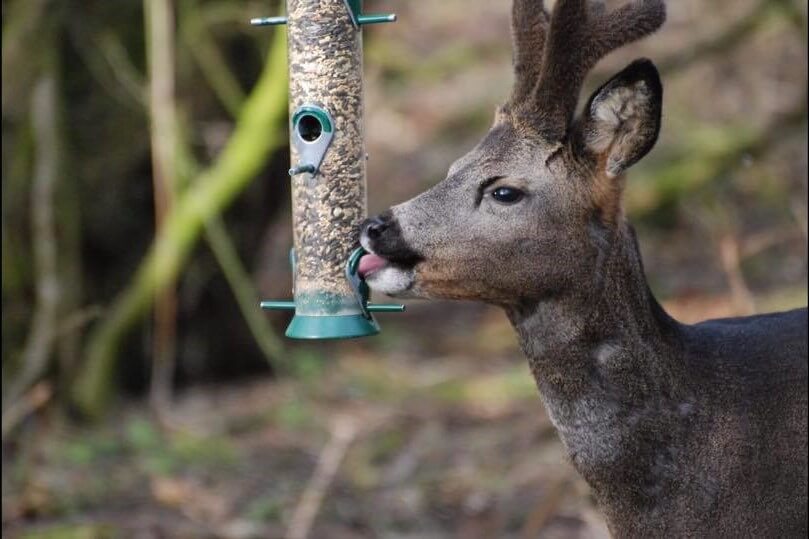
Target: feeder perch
[
  {"x": 354, "y": 8},
  {"x": 328, "y": 169}
]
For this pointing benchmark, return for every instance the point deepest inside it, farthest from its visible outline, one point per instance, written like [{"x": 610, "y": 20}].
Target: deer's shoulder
[{"x": 752, "y": 354}]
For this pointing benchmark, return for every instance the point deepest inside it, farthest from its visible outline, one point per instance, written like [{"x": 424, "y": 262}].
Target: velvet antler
[
  {"x": 577, "y": 36},
  {"x": 529, "y": 29}
]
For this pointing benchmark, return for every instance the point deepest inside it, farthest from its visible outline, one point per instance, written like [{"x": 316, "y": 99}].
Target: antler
[
  {"x": 578, "y": 36},
  {"x": 529, "y": 28}
]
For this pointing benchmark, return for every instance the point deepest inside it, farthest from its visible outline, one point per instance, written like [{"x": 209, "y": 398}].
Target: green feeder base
[{"x": 331, "y": 327}]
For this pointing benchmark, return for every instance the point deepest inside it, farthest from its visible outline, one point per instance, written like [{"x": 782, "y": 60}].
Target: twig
[
  {"x": 63, "y": 329},
  {"x": 22, "y": 29},
  {"x": 108, "y": 65},
  {"x": 32, "y": 401},
  {"x": 78, "y": 320},
  {"x": 213, "y": 66},
  {"x": 160, "y": 54},
  {"x": 343, "y": 432},
  {"x": 123, "y": 71},
  {"x": 239, "y": 281},
  {"x": 39, "y": 343},
  {"x": 755, "y": 244}
]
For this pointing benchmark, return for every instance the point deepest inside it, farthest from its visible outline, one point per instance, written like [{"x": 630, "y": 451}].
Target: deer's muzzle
[
  {"x": 388, "y": 267},
  {"x": 382, "y": 236}
]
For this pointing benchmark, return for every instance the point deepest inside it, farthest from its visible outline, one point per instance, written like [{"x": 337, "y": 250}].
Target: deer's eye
[{"x": 507, "y": 195}]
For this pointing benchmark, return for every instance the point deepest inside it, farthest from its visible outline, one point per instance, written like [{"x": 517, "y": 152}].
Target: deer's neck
[
  {"x": 606, "y": 361},
  {"x": 568, "y": 336}
]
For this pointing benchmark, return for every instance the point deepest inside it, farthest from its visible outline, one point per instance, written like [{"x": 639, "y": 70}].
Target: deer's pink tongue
[{"x": 370, "y": 263}]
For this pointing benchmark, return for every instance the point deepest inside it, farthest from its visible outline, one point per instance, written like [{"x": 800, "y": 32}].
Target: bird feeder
[{"x": 328, "y": 169}]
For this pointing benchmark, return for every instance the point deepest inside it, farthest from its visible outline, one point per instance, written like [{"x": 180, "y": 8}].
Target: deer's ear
[{"x": 622, "y": 119}]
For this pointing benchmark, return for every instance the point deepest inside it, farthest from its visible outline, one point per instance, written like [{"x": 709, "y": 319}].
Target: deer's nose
[{"x": 374, "y": 227}]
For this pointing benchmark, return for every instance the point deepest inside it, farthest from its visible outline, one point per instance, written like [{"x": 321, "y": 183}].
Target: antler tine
[
  {"x": 529, "y": 28},
  {"x": 579, "y": 36},
  {"x": 629, "y": 23}
]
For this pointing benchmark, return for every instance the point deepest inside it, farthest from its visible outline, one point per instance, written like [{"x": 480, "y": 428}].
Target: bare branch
[
  {"x": 39, "y": 343},
  {"x": 163, "y": 131},
  {"x": 33, "y": 400},
  {"x": 343, "y": 432}
]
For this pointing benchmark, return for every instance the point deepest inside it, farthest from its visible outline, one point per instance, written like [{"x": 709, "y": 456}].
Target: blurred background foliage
[{"x": 146, "y": 211}]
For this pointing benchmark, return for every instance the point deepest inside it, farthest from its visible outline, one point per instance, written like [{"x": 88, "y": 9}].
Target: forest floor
[{"x": 427, "y": 431}]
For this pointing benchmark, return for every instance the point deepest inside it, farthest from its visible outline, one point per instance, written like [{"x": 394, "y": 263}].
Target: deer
[{"x": 679, "y": 430}]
